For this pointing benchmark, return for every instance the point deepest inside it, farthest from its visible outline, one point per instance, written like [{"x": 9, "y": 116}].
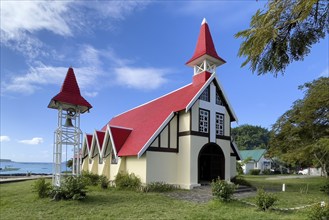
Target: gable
[
  {"x": 221, "y": 94},
  {"x": 86, "y": 146},
  {"x": 147, "y": 121},
  {"x": 255, "y": 155}
]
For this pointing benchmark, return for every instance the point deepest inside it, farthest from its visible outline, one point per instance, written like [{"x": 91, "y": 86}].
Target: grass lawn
[
  {"x": 299, "y": 191},
  {"x": 17, "y": 201}
]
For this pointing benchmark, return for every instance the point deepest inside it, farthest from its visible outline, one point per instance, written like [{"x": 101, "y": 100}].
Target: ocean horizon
[{"x": 12, "y": 167}]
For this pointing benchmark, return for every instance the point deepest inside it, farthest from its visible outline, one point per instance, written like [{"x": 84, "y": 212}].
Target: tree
[
  {"x": 249, "y": 137},
  {"x": 283, "y": 33},
  {"x": 300, "y": 136},
  {"x": 69, "y": 163}
]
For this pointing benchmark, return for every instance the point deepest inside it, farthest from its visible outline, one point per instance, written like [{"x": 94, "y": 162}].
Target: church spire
[{"x": 205, "y": 57}]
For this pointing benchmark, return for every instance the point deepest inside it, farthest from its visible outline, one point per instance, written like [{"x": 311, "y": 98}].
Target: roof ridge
[{"x": 146, "y": 103}]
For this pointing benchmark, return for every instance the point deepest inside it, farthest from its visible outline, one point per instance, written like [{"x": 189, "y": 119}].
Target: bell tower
[
  {"x": 205, "y": 57},
  {"x": 70, "y": 105}
]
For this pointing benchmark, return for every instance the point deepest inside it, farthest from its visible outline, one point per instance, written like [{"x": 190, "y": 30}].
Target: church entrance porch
[{"x": 211, "y": 163}]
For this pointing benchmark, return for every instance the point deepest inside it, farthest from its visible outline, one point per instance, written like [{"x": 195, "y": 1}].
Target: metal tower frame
[{"x": 67, "y": 135}]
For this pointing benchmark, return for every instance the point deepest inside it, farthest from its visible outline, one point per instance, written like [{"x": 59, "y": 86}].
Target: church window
[
  {"x": 205, "y": 96},
  {"x": 218, "y": 99},
  {"x": 113, "y": 159},
  {"x": 219, "y": 124},
  {"x": 100, "y": 159},
  {"x": 203, "y": 121}
]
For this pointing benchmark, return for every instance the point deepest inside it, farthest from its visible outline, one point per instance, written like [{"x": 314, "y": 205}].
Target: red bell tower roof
[
  {"x": 205, "y": 48},
  {"x": 70, "y": 95}
]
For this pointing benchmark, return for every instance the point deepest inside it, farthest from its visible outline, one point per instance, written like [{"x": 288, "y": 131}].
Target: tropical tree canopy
[
  {"x": 249, "y": 137},
  {"x": 300, "y": 136},
  {"x": 283, "y": 33}
]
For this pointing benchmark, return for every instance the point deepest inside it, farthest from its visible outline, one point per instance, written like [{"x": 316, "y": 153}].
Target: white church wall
[
  {"x": 196, "y": 145},
  {"x": 155, "y": 143},
  {"x": 137, "y": 166},
  {"x": 233, "y": 166},
  {"x": 116, "y": 168},
  {"x": 106, "y": 167},
  {"x": 225, "y": 145},
  {"x": 85, "y": 164},
  {"x": 184, "y": 121},
  {"x": 93, "y": 166},
  {"x": 183, "y": 162},
  {"x": 100, "y": 168},
  {"x": 173, "y": 133},
  {"x": 161, "y": 166},
  {"x": 164, "y": 138},
  {"x": 195, "y": 116}
]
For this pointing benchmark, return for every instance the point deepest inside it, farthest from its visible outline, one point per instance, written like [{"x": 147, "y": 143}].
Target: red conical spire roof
[
  {"x": 205, "y": 46},
  {"x": 70, "y": 94}
]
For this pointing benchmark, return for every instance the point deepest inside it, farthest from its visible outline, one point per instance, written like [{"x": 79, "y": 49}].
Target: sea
[{"x": 10, "y": 168}]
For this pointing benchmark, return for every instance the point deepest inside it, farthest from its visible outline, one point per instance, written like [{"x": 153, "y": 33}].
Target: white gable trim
[
  {"x": 85, "y": 145},
  {"x": 112, "y": 141},
  {"x": 93, "y": 144},
  {"x": 191, "y": 103},
  {"x": 226, "y": 99},
  {"x": 236, "y": 149},
  {"x": 156, "y": 133},
  {"x": 98, "y": 145}
]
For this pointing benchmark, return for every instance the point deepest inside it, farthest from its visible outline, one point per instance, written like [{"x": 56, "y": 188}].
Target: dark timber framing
[{"x": 168, "y": 148}]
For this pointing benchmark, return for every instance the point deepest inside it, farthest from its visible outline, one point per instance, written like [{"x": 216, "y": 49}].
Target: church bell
[{"x": 68, "y": 122}]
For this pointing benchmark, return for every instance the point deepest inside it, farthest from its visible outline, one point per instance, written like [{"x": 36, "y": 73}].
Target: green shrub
[
  {"x": 264, "y": 200},
  {"x": 222, "y": 190},
  {"x": 239, "y": 169},
  {"x": 254, "y": 171},
  {"x": 239, "y": 180},
  {"x": 325, "y": 188},
  {"x": 42, "y": 187},
  {"x": 104, "y": 182},
  {"x": 90, "y": 179},
  {"x": 72, "y": 187},
  {"x": 158, "y": 187},
  {"x": 127, "y": 181},
  {"x": 266, "y": 172},
  {"x": 318, "y": 212}
]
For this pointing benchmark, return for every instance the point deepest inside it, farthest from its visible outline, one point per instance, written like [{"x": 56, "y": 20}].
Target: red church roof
[
  {"x": 146, "y": 119},
  {"x": 70, "y": 94},
  {"x": 205, "y": 46},
  {"x": 119, "y": 135},
  {"x": 89, "y": 140},
  {"x": 100, "y": 137}
]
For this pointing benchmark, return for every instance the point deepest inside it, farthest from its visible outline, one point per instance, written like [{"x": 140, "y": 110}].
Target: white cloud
[
  {"x": 22, "y": 20},
  {"x": 41, "y": 74},
  {"x": 89, "y": 74},
  {"x": 33, "y": 141},
  {"x": 141, "y": 78},
  {"x": 4, "y": 138},
  {"x": 325, "y": 73}
]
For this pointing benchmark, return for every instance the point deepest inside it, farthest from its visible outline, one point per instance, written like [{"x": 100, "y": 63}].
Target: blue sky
[{"x": 125, "y": 54}]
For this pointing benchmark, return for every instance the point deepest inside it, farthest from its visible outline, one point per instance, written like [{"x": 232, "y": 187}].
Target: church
[{"x": 181, "y": 138}]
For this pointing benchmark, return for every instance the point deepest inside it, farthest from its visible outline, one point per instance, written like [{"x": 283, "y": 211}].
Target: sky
[{"x": 125, "y": 54}]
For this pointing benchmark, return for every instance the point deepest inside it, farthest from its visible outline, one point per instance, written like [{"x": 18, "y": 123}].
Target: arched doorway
[{"x": 211, "y": 163}]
